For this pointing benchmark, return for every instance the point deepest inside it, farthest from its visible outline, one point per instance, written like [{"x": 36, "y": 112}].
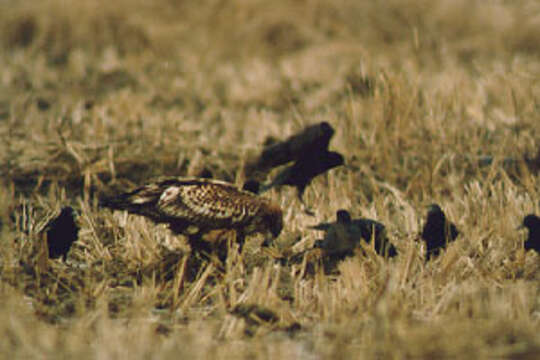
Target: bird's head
[
  {"x": 333, "y": 159},
  {"x": 435, "y": 212},
  {"x": 530, "y": 221},
  {"x": 67, "y": 211},
  {"x": 253, "y": 186},
  {"x": 343, "y": 216},
  {"x": 433, "y": 209},
  {"x": 326, "y": 128},
  {"x": 273, "y": 222}
]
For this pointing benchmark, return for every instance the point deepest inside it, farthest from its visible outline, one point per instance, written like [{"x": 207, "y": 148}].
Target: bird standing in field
[
  {"x": 302, "y": 171},
  {"x": 313, "y": 138},
  {"x": 437, "y": 232},
  {"x": 532, "y": 223},
  {"x": 308, "y": 152},
  {"x": 61, "y": 232},
  {"x": 196, "y": 206},
  {"x": 345, "y": 234}
]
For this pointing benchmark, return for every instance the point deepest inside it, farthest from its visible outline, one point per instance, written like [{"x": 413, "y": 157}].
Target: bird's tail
[
  {"x": 118, "y": 202},
  {"x": 321, "y": 226}
]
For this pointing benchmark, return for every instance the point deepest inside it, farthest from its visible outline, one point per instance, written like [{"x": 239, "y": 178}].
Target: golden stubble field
[{"x": 105, "y": 95}]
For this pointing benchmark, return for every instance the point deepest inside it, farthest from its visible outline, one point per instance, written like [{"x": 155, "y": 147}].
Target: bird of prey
[
  {"x": 303, "y": 170},
  {"x": 532, "y": 222},
  {"x": 61, "y": 232},
  {"x": 437, "y": 232},
  {"x": 195, "y": 206},
  {"x": 345, "y": 234}
]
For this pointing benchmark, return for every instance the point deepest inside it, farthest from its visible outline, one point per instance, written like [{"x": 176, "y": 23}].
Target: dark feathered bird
[
  {"x": 532, "y": 222},
  {"x": 305, "y": 169},
  {"x": 195, "y": 206},
  {"x": 314, "y": 138},
  {"x": 438, "y": 231},
  {"x": 61, "y": 233},
  {"x": 345, "y": 234}
]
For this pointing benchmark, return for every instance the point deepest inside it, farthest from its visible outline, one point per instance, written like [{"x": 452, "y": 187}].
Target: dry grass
[{"x": 102, "y": 95}]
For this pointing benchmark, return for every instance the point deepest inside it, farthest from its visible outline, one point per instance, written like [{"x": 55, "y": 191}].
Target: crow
[
  {"x": 61, "y": 233},
  {"x": 345, "y": 234},
  {"x": 314, "y": 138},
  {"x": 437, "y": 232},
  {"x": 303, "y": 170},
  {"x": 532, "y": 222}
]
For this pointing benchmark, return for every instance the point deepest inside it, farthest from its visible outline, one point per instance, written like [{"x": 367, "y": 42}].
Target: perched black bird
[
  {"x": 532, "y": 222},
  {"x": 438, "y": 231},
  {"x": 345, "y": 234},
  {"x": 303, "y": 170},
  {"x": 61, "y": 232}
]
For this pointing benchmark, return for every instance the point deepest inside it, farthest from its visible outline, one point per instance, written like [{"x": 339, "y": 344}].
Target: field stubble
[{"x": 102, "y": 96}]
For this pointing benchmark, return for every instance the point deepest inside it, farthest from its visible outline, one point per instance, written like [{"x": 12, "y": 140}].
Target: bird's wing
[
  {"x": 366, "y": 227},
  {"x": 207, "y": 204},
  {"x": 339, "y": 240},
  {"x": 284, "y": 177}
]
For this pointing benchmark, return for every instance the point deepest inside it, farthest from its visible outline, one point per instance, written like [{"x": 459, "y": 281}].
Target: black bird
[
  {"x": 61, "y": 232},
  {"x": 345, "y": 234},
  {"x": 314, "y": 138},
  {"x": 303, "y": 170},
  {"x": 532, "y": 222},
  {"x": 438, "y": 231}
]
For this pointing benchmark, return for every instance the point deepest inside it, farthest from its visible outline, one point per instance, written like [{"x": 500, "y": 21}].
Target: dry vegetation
[{"x": 102, "y": 95}]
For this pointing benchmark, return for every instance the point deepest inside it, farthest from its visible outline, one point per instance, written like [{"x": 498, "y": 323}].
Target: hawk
[
  {"x": 532, "y": 222},
  {"x": 196, "y": 206},
  {"x": 438, "y": 231}
]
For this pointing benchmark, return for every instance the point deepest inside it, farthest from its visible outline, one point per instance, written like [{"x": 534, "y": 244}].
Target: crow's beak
[{"x": 520, "y": 227}]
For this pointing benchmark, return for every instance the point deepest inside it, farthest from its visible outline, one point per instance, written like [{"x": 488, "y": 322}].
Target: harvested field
[{"x": 431, "y": 102}]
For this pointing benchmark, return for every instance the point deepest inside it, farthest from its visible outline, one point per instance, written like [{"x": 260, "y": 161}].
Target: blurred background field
[{"x": 106, "y": 95}]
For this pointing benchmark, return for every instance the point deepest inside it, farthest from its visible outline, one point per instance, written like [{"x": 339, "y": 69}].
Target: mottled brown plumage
[{"x": 195, "y": 206}]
